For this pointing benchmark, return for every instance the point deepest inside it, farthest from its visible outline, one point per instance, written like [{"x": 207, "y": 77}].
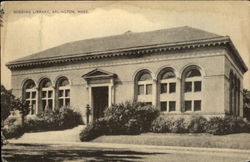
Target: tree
[
  {"x": 6, "y": 98},
  {"x": 22, "y": 106},
  {"x": 246, "y": 103},
  {"x": 9, "y": 103}
]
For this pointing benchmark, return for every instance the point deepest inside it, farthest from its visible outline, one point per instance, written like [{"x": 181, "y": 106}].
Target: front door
[{"x": 100, "y": 101}]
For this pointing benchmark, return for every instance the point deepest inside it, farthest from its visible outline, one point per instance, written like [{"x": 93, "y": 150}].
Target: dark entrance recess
[{"x": 100, "y": 101}]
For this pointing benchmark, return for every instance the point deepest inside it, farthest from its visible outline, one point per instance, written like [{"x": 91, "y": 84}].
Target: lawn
[
  {"x": 233, "y": 141},
  {"x": 84, "y": 152}
]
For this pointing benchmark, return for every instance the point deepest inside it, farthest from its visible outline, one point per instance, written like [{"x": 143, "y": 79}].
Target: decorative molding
[
  {"x": 149, "y": 60},
  {"x": 193, "y": 66},
  {"x": 102, "y": 74},
  {"x": 59, "y": 77},
  {"x": 216, "y": 76},
  {"x": 130, "y": 51},
  {"x": 234, "y": 65}
]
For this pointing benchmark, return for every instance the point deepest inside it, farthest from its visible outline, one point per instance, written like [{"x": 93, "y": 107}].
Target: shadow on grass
[{"x": 32, "y": 152}]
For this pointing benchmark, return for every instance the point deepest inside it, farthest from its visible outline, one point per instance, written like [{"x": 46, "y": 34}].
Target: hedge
[{"x": 124, "y": 118}]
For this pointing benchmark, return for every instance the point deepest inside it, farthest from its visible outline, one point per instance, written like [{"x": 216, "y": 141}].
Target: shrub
[
  {"x": 166, "y": 124},
  {"x": 130, "y": 117},
  {"x": 198, "y": 124},
  {"x": 132, "y": 127},
  {"x": 68, "y": 118},
  {"x": 6, "y": 98},
  {"x": 180, "y": 125},
  {"x": 237, "y": 125},
  {"x": 13, "y": 127},
  {"x": 227, "y": 125},
  {"x": 161, "y": 124},
  {"x": 218, "y": 126},
  {"x": 35, "y": 123},
  {"x": 125, "y": 118},
  {"x": 63, "y": 118},
  {"x": 14, "y": 131},
  {"x": 94, "y": 130}
]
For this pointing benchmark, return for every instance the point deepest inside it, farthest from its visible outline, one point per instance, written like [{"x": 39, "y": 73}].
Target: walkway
[{"x": 68, "y": 135}]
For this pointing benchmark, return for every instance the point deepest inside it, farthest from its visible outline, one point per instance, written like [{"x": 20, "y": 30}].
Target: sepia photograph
[{"x": 158, "y": 81}]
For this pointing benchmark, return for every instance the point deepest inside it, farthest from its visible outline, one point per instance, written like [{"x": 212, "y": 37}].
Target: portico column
[
  {"x": 112, "y": 92},
  {"x": 90, "y": 95},
  {"x": 89, "y": 89},
  {"x": 112, "y": 95}
]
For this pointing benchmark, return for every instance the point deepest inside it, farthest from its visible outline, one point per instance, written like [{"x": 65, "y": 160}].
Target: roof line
[
  {"x": 219, "y": 38},
  {"x": 238, "y": 55}
]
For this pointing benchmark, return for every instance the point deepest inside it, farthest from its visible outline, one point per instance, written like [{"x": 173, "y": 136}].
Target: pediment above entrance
[{"x": 98, "y": 73}]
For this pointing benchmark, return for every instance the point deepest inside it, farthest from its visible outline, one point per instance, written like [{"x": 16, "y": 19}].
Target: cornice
[
  {"x": 128, "y": 62},
  {"x": 236, "y": 56},
  {"x": 122, "y": 52}
]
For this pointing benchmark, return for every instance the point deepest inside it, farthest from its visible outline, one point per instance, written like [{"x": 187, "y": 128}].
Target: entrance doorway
[{"x": 100, "y": 101}]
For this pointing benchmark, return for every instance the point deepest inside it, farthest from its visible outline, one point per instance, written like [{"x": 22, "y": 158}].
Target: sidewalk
[
  {"x": 152, "y": 148},
  {"x": 68, "y": 135}
]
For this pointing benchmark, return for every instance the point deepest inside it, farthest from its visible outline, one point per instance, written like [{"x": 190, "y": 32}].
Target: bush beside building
[{"x": 136, "y": 118}]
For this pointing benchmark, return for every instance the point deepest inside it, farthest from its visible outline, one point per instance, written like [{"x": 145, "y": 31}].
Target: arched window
[
  {"x": 63, "y": 92},
  {"x": 167, "y": 89},
  {"x": 144, "y": 87},
  {"x": 30, "y": 94},
  {"x": 192, "y": 89},
  {"x": 239, "y": 91},
  {"x": 234, "y": 94},
  {"x": 231, "y": 94},
  {"x": 46, "y": 94}
]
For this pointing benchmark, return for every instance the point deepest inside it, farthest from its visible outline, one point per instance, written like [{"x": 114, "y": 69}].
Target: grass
[
  {"x": 75, "y": 153},
  {"x": 233, "y": 141}
]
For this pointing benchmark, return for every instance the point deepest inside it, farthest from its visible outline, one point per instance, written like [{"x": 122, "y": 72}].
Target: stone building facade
[{"x": 181, "y": 71}]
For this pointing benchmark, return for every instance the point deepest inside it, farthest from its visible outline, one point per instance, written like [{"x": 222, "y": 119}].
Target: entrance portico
[{"x": 100, "y": 86}]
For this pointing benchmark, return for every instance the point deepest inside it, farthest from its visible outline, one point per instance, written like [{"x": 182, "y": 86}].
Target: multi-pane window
[
  {"x": 167, "y": 82},
  {"x": 231, "y": 94},
  {"x": 192, "y": 90},
  {"x": 197, "y": 86},
  {"x": 144, "y": 87},
  {"x": 197, "y": 105},
  {"x": 167, "y": 88},
  {"x": 47, "y": 95},
  {"x": 63, "y": 93},
  {"x": 172, "y": 87},
  {"x": 140, "y": 89},
  {"x": 148, "y": 89},
  {"x": 172, "y": 106},
  {"x": 163, "y": 106},
  {"x": 145, "y": 84},
  {"x": 148, "y": 103},
  {"x": 168, "y": 106},
  {"x": 234, "y": 94},
  {"x": 188, "y": 105},
  {"x": 30, "y": 95},
  {"x": 164, "y": 87},
  {"x": 188, "y": 86},
  {"x": 192, "y": 81},
  {"x": 194, "y": 105}
]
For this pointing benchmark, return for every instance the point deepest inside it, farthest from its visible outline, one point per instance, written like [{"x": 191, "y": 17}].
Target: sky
[{"x": 26, "y": 30}]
